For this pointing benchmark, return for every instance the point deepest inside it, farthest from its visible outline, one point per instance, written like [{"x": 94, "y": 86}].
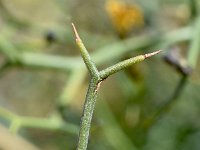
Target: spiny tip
[
  {"x": 151, "y": 54},
  {"x": 75, "y": 32}
]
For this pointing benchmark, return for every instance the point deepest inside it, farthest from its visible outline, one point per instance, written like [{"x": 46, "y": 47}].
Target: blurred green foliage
[{"x": 152, "y": 105}]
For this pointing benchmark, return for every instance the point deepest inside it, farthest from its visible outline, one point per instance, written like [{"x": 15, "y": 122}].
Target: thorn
[
  {"x": 151, "y": 54},
  {"x": 76, "y": 33}
]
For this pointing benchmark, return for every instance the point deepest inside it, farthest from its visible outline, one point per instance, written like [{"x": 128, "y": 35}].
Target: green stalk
[
  {"x": 124, "y": 64},
  {"x": 74, "y": 83},
  {"x": 112, "y": 51},
  {"x": 96, "y": 79},
  {"x": 87, "y": 114},
  {"x": 53, "y": 123},
  {"x": 194, "y": 49},
  {"x": 85, "y": 55}
]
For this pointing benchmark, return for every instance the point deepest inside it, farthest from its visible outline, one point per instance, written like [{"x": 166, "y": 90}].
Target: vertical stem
[
  {"x": 87, "y": 114},
  {"x": 96, "y": 79},
  {"x": 194, "y": 46},
  {"x": 72, "y": 86}
]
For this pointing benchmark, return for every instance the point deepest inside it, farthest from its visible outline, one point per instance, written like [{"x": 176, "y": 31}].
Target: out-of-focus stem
[
  {"x": 194, "y": 49},
  {"x": 53, "y": 123}
]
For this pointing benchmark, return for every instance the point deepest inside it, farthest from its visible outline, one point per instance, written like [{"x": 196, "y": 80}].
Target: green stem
[
  {"x": 175, "y": 36},
  {"x": 87, "y": 114},
  {"x": 73, "y": 84},
  {"x": 49, "y": 61},
  {"x": 195, "y": 46},
  {"x": 85, "y": 55},
  {"x": 90, "y": 97},
  {"x": 96, "y": 79},
  {"x": 124, "y": 64},
  {"x": 48, "y": 124},
  {"x": 53, "y": 123},
  {"x": 112, "y": 51}
]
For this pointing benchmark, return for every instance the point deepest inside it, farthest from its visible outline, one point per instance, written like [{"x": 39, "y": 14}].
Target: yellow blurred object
[{"x": 124, "y": 17}]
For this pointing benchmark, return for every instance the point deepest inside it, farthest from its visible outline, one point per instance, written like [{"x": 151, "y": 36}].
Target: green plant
[
  {"x": 97, "y": 77},
  {"x": 22, "y": 55}
]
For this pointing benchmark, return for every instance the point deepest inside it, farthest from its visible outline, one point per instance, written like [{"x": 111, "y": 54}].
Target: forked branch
[{"x": 96, "y": 79}]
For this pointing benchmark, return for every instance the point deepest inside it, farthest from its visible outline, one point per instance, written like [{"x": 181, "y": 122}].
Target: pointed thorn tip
[
  {"x": 75, "y": 32},
  {"x": 152, "y": 54}
]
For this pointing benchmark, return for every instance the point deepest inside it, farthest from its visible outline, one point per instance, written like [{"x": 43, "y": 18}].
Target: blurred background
[{"x": 152, "y": 105}]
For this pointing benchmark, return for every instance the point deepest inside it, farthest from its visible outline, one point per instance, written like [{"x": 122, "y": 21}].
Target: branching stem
[{"x": 96, "y": 79}]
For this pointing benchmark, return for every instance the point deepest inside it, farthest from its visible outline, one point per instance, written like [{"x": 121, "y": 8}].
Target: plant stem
[
  {"x": 74, "y": 83},
  {"x": 126, "y": 63},
  {"x": 39, "y": 60},
  {"x": 195, "y": 46},
  {"x": 87, "y": 114},
  {"x": 85, "y": 55},
  {"x": 53, "y": 123},
  {"x": 96, "y": 79},
  {"x": 112, "y": 51},
  {"x": 91, "y": 94},
  {"x": 48, "y": 124}
]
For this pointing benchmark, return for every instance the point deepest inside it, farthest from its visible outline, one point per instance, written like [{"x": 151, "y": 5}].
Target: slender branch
[
  {"x": 48, "y": 124},
  {"x": 52, "y": 123},
  {"x": 126, "y": 63},
  {"x": 96, "y": 79},
  {"x": 85, "y": 55},
  {"x": 39, "y": 60},
  {"x": 195, "y": 46},
  {"x": 114, "y": 50},
  {"x": 74, "y": 83}
]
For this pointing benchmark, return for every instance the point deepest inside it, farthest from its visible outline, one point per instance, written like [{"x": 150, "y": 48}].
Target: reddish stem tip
[
  {"x": 151, "y": 54},
  {"x": 76, "y": 33}
]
